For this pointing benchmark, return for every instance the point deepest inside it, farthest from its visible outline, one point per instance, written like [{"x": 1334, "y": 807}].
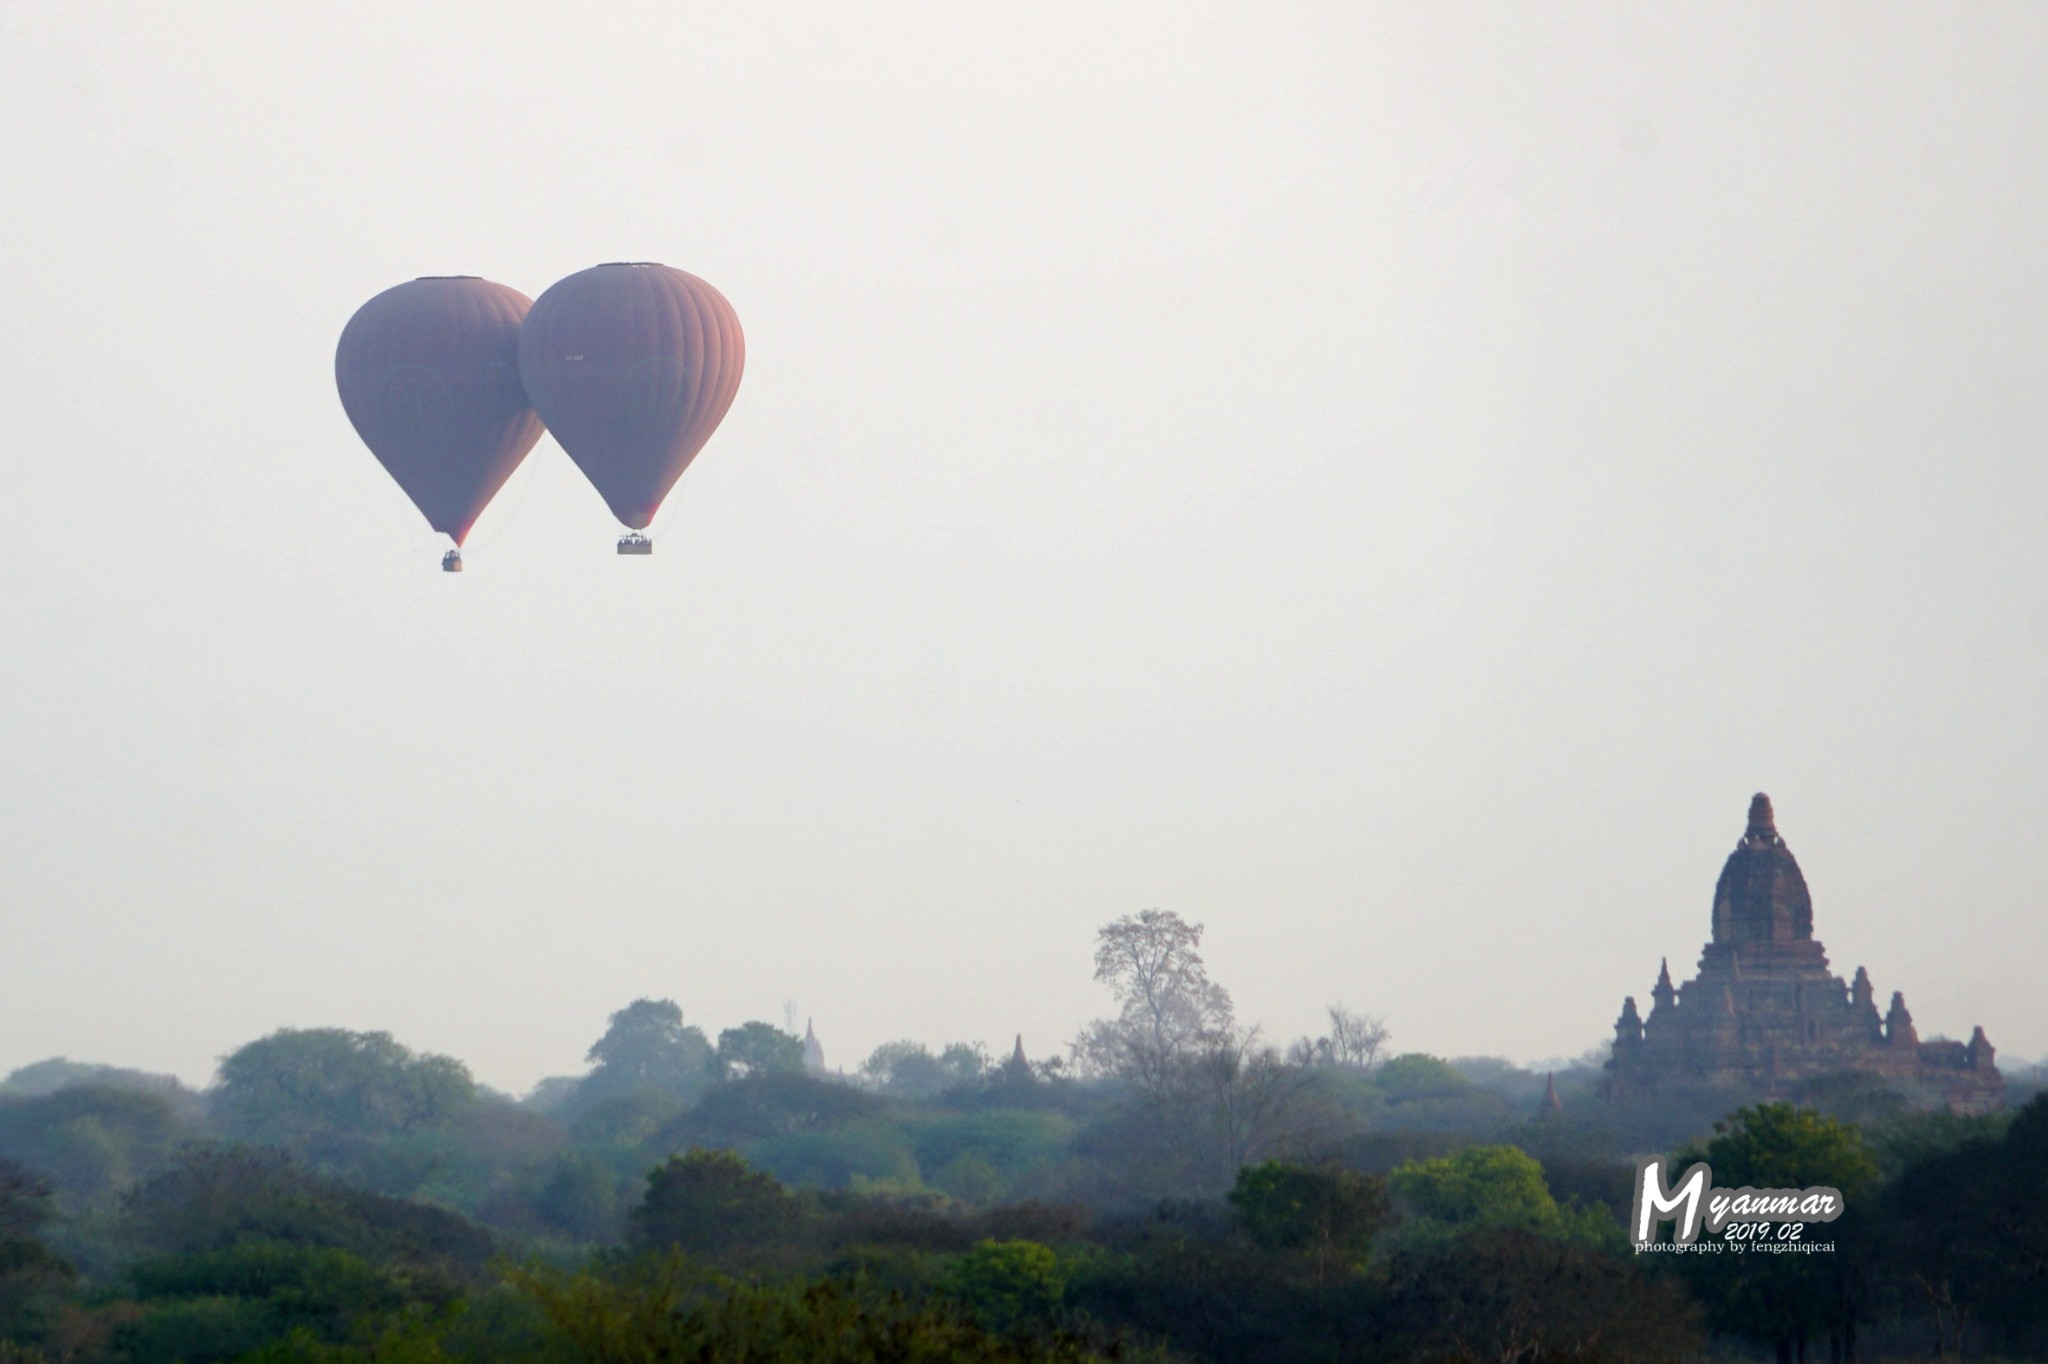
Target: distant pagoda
[{"x": 1765, "y": 1015}]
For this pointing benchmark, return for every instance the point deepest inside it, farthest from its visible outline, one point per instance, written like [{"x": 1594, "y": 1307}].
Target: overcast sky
[{"x": 1385, "y": 482}]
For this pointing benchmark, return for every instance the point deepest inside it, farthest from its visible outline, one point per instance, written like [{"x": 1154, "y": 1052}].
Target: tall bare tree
[
  {"x": 1212, "y": 1096},
  {"x": 1170, "y": 1009}
]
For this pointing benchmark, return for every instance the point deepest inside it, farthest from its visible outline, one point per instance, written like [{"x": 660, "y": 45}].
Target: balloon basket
[
  {"x": 636, "y": 543},
  {"x": 451, "y": 562}
]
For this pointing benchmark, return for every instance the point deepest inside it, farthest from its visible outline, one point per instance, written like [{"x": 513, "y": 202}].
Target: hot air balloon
[
  {"x": 632, "y": 366},
  {"x": 429, "y": 375}
]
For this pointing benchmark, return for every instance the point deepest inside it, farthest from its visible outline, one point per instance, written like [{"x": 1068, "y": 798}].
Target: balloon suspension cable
[{"x": 451, "y": 562}]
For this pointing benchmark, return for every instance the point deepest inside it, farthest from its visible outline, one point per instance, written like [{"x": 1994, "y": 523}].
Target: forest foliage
[{"x": 1173, "y": 1186}]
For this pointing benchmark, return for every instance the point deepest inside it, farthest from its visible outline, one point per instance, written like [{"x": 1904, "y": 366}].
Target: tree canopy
[
  {"x": 758, "y": 1049},
  {"x": 646, "y": 1045},
  {"x": 297, "y": 1088}
]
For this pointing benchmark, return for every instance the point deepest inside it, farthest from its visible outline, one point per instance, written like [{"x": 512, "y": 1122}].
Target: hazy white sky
[{"x": 1387, "y": 482}]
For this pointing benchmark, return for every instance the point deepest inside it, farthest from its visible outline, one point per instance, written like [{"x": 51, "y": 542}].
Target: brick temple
[{"x": 1766, "y": 1016}]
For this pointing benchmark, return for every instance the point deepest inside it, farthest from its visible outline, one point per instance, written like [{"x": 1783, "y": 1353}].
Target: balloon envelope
[
  {"x": 633, "y": 367},
  {"x": 429, "y": 375}
]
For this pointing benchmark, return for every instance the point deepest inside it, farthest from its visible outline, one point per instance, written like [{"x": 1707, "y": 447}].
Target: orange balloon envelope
[
  {"x": 429, "y": 375},
  {"x": 632, "y": 366}
]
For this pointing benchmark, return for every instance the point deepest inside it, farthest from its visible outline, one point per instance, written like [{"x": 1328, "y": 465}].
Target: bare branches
[
  {"x": 1152, "y": 963},
  {"x": 1354, "y": 1041},
  {"x": 1214, "y": 1096}
]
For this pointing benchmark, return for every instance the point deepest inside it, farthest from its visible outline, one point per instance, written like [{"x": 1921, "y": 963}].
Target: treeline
[
  {"x": 236, "y": 1252},
  {"x": 1173, "y": 1187}
]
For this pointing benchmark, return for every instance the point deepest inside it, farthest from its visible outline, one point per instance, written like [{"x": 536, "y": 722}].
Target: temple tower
[{"x": 1765, "y": 1015}]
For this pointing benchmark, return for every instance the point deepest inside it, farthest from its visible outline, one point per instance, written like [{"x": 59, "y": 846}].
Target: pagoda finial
[
  {"x": 1017, "y": 1056},
  {"x": 1763, "y": 824},
  {"x": 1761, "y": 821}
]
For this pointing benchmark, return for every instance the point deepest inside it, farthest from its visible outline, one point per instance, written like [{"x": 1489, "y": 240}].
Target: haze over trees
[{"x": 1175, "y": 1186}]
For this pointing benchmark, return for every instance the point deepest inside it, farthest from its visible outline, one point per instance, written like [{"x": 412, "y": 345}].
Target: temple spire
[{"x": 1662, "y": 994}]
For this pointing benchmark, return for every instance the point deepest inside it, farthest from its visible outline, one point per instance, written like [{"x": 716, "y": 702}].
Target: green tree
[
  {"x": 222, "y": 1304},
  {"x": 907, "y": 1068},
  {"x": 665, "y": 1312},
  {"x": 1786, "y": 1300},
  {"x": 963, "y": 1063},
  {"x": 1508, "y": 1294},
  {"x": 970, "y": 1177},
  {"x": 1329, "y": 1214},
  {"x": 90, "y": 1139},
  {"x": 47, "y": 1077},
  {"x": 29, "y": 1271},
  {"x": 1004, "y": 1283},
  {"x": 211, "y": 1198},
  {"x": 1416, "y": 1075},
  {"x": 859, "y": 1154},
  {"x": 1964, "y": 1233},
  {"x": 303, "y": 1089},
  {"x": 624, "y": 1121},
  {"x": 1781, "y": 1146},
  {"x": 242, "y": 1250},
  {"x": 1187, "y": 1276},
  {"x": 910, "y": 1070},
  {"x": 773, "y": 1103},
  {"x": 712, "y": 1203},
  {"x": 1010, "y": 1140},
  {"x": 1484, "y": 1187},
  {"x": 1495, "y": 1186},
  {"x": 758, "y": 1049},
  {"x": 648, "y": 1046},
  {"x": 580, "y": 1198}
]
